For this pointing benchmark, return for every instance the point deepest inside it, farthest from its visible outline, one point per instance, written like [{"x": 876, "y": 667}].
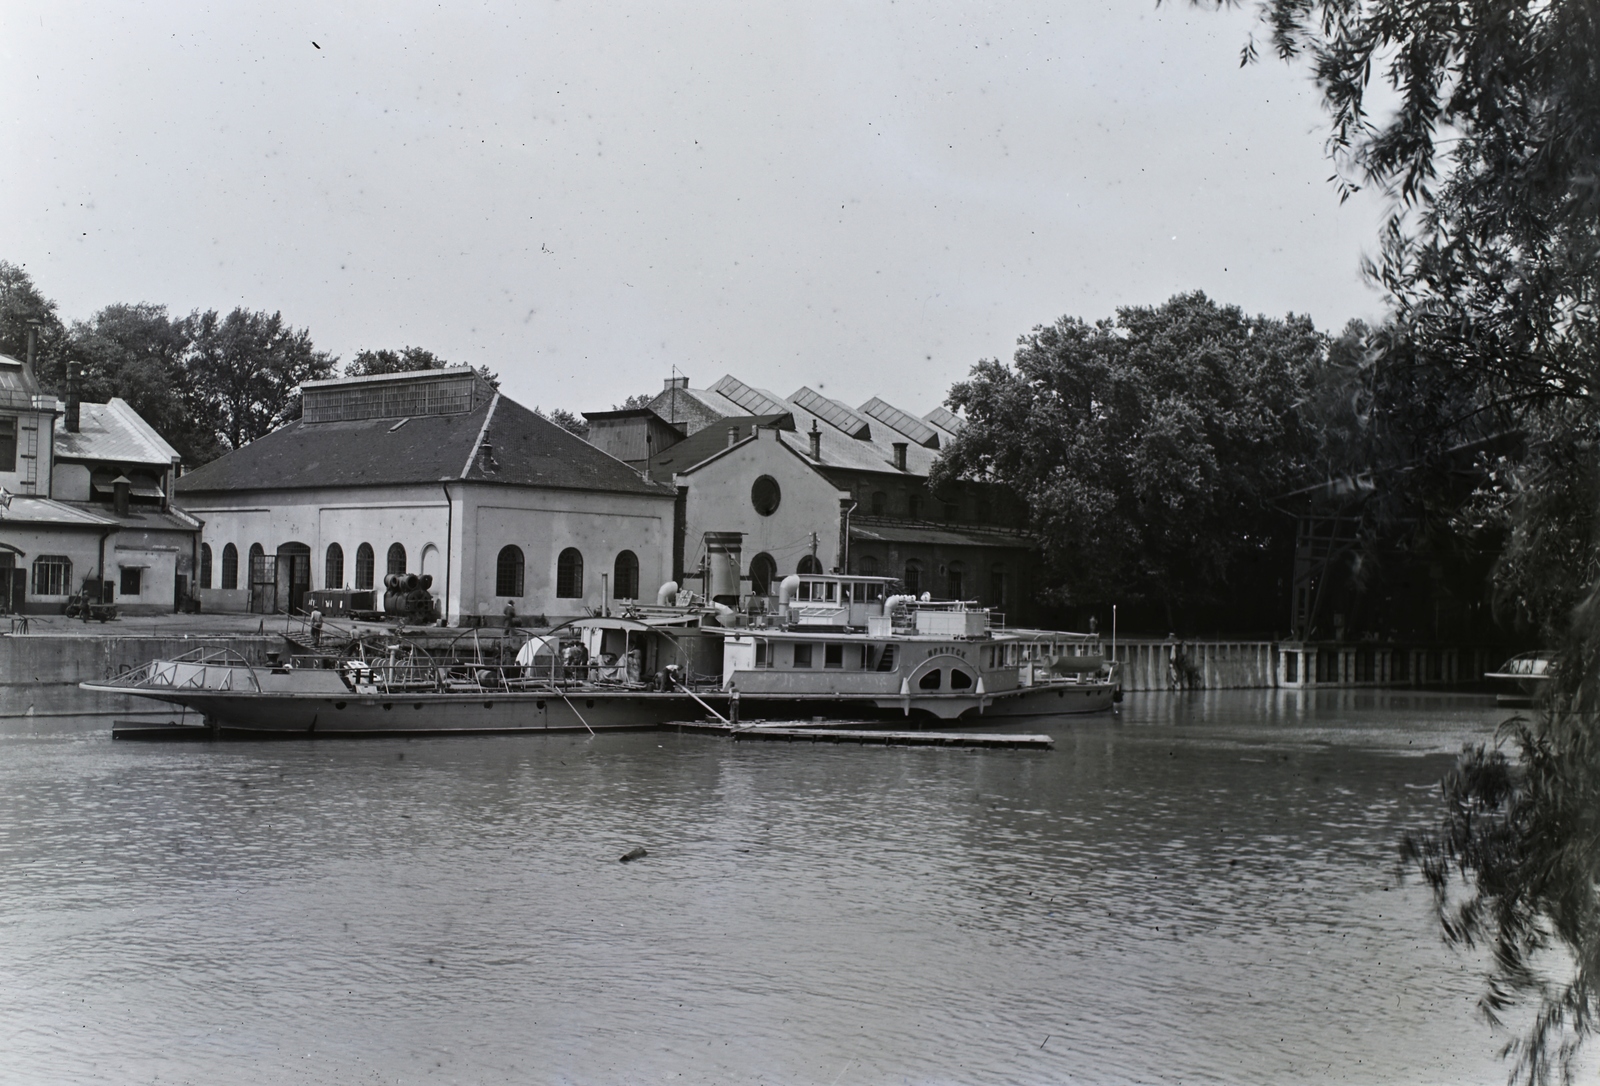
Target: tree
[
  {"x": 637, "y": 400},
  {"x": 140, "y": 353},
  {"x": 246, "y": 369},
  {"x": 1491, "y": 258},
  {"x": 405, "y": 360},
  {"x": 572, "y": 424},
  {"x": 22, "y": 306},
  {"x": 1149, "y": 447}
]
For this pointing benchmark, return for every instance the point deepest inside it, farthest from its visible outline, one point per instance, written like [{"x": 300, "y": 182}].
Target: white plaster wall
[
  {"x": 544, "y": 523},
  {"x": 719, "y": 501},
  {"x": 414, "y": 517}
]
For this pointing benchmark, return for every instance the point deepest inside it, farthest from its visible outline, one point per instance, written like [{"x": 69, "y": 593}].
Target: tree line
[{"x": 207, "y": 382}]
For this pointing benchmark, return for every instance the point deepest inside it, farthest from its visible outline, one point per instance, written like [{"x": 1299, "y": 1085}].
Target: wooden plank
[{"x": 869, "y": 737}]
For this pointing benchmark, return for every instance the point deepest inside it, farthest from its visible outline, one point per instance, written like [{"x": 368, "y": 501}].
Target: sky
[{"x": 865, "y": 197}]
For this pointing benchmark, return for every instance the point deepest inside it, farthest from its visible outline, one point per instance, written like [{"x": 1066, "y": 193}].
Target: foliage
[
  {"x": 21, "y": 305},
  {"x": 1149, "y": 447},
  {"x": 140, "y": 353},
  {"x": 573, "y": 424},
  {"x": 246, "y": 369},
  {"x": 405, "y": 360},
  {"x": 1511, "y": 860},
  {"x": 1491, "y": 258},
  {"x": 637, "y": 400}
]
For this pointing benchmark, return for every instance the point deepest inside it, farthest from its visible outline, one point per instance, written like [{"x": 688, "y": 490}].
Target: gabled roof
[
  {"x": 706, "y": 443},
  {"x": 833, "y": 412},
  {"x": 752, "y": 401},
  {"x": 527, "y": 450},
  {"x": 113, "y": 431}
]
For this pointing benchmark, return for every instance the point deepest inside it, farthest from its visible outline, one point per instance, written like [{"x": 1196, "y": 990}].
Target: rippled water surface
[{"x": 1199, "y": 888}]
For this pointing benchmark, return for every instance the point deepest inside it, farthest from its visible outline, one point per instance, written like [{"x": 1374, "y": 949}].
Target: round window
[{"x": 765, "y": 495}]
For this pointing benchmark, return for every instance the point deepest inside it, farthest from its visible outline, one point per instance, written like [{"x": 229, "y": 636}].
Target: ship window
[
  {"x": 802, "y": 656},
  {"x": 569, "y": 574},
  {"x": 886, "y": 661},
  {"x": 959, "y": 680},
  {"x": 830, "y": 591},
  {"x": 809, "y": 564},
  {"x": 762, "y": 658},
  {"x": 52, "y": 575},
  {"x": 833, "y": 655},
  {"x": 508, "y": 569},
  {"x": 366, "y": 562},
  {"x": 397, "y": 558},
  {"x": 803, "y": 591},
  {"x": 205, "y": 565},
  {"x": 930, "y": 681},
  {"x": 230, "y": 566},
  {"x": 333, "y": 568}
]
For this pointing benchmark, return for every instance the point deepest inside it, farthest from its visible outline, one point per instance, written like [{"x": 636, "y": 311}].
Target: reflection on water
[{"x": 1199, "y": 888}]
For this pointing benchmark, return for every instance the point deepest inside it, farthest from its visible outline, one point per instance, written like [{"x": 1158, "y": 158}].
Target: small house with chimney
[
  {"x": 86, "y": 503},
  {"x": 440, "y": 480}
]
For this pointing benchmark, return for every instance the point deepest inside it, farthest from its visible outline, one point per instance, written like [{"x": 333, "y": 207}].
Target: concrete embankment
[{"x": 39, "y": 674}]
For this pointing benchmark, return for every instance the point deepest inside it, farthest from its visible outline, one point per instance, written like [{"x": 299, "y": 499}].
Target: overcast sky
[{"x": 865, "y": 197}]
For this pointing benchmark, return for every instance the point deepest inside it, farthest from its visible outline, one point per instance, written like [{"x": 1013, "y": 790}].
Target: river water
[{"x": 1198, "y": 888}]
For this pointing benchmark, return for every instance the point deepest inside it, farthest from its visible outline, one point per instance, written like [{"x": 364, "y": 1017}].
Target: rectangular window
[
  {"x": 802, "y": 656},
  {"x": 761, "y": 654},
  {"x": 52, "y": 575},
  {"x": 833, "y": 656},
  {"x": 8, "y": 443},
  {"x": 130, "y": 581}
]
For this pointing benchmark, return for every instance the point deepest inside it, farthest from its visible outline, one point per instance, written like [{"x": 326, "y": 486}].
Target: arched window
[
  {"x": 997, "y": 586},
  {"x": 397, "y": 559},
  {"x": 52, "y": 575},
  {"x": 569, "y": 574},
  {"x": 880, "y": 503},
  {"x": 765, "y": 495},
  {"x": 205, "y": 565},
  {"x": 625, "y": 577},
  {"x": 366, "y": 562},
  {"x": 258, "y": 565},
  {"x": 809, "y": 564},
  {"x": 508, "y": 572},
  {"x": 230, "y": 566},
  {"x": 763, "y": 575},
  {"x": 333, "y": 568},
  {"x": 913, "y": 577},
  {"x": 956, "y": 579},
  {"x": 914, "y": 506},
  {"x": 867, "y": 566}
]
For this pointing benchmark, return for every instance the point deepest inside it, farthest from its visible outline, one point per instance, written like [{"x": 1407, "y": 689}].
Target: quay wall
[
  {"x": 1297, "y": 665},
  {"x": 39, "y": 675}
]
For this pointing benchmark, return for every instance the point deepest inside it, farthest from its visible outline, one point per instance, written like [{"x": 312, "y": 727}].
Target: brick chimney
[
  {"x": 816, "y": 441},
  {"x": 74, "y": 371},
  {"x": 671, "y": 383},
  {"x": 733, "y": 436}
]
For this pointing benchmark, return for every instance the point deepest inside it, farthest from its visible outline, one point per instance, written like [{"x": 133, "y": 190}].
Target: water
[{"x": 1199, "y": 889}]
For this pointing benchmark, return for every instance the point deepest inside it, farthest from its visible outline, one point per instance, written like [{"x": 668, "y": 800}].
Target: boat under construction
[{"x": 827, "y": 646}]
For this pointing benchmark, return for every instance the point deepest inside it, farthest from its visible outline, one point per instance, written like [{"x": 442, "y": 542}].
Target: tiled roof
[
  {"x": 527, "y": 450},
  {"x": 113, "y": 431}
]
